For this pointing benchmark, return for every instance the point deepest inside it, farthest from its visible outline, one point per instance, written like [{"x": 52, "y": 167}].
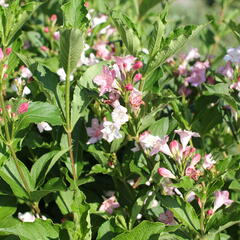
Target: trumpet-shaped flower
[
  {"x": 233, "y": 55},
  {"x": 94, "y": 132},
  {"x": 208, "y": 161},
  {"x": 185, "y": 137},
  {"x": 119, "y": 115},
  {"x": 161, "y": 146},
  {"x": 105, "y": 80},
  {"x": 165, "y": 173},
  {"x": 109, "y": 205},
  {"x": 125, "y": 63},
  {"x": 221, "y": 198},
  {"x": 227, "y": 70},
  {"x": 147, "y": 140},
  {"x": 111, "y": 131},
  {"x": 135, "y": 99}
]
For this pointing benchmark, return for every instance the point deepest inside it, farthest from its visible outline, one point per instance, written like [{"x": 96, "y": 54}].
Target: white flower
[
  {"x": 26, "y": 217},
  {"x": 147, "y": 140},
  {"x": 119, "y": 115},
  {"x": 61, "y": 73},
  {"x": 18, "y": 82},
  {"x": 25, "y": 72},
  {"x": 43, "y": 126},
  {"x": 139, "y": 216},
  {"x": 233, "y": 55},
  {"x": 99, "y": 20},
  {"x": 3, "y": 4},
  {"x": 208, "y": 161},
  {"x": 110, "y": 131}
]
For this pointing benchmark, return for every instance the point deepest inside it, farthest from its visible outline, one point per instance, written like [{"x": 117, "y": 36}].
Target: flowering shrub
[{"x": 108, "y": 132}]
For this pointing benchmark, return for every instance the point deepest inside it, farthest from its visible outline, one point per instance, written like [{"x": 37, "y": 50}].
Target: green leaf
[
  {"x": 156, "y": 37},
  {"x": 146, "y": 5},
  {"x": 143, "y": 231},
  {"x": 39, "y": 112},
  {"x": 182, "y": 210},
  {"x": 116, "y": 144},
  {"x": 160, "y": 127},
  {"x": 74, "y": 13},
  {"x": 8, "y": 206},
  {"x": 81, "y": 99},
  {"x": 64, "y": 201},
  {"x": 9, "y": 174},
  {"x": 127, "y": 31},
  {"x": 40, "y": 229},
  {"x": 172, "y": 44},
  {"x": 71, "y": 46},
  {"x": 43, "y": 165}
]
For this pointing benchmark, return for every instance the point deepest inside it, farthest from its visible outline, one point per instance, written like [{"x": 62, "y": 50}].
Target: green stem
[{"x": 68, "y": 125}]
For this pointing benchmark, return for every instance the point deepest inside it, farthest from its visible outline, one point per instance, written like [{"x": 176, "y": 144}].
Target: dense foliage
[{"x": 118, "y": 120}]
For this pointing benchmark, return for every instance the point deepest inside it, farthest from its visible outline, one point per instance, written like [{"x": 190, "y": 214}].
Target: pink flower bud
[
  {"x": 44, "y": 48},
  {"x": 138, "y": 77},
  {"x": 53, "y": 18},
  {"x": 1, "y": 110},
  {"x": 86, "y": 4},
  {"x": 165, "y": 173},
  {"x": 8, "y": 51},
  {"x": 189, "y": 151},
  {"x": 129, "y": 87},
  {"x": 5, "y": 75},
  {"x": 199, "y": 202},
  {"x": 46, "y": 29},
  {"x": 8, "y": 107},
  {"x": 175, "y": 147},
  {"x": 210, "y": 212},
  {"x": 196, "y": 159},
  {"x": 1, "y": 54},
  {"x": 14, "y": 116},
  {"x": 23, "y": 108},
  {"x": 56, "y": 35},
  {"x": 137, "y": 65}
]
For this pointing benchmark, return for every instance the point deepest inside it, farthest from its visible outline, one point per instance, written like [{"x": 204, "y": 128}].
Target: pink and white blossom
[
  {"x": 102, "y": 51},
  {"x": 62, "y": 75},
  {"x": 25, "y": 72},
  {"x": 125, "y": 63},
  {"x": 192, "y": 172},
  {"x": 198, "y": 74},
  {"x": 227, "y": 70},
  {"x": 23, "y": 108},
  {"x": 105, "y": 80},
  {"x": 3, "y": 3},
  {"x": 191, "y": 196},
  {"x": 135, "y": 99},
  {"x": 147, "y": 140},
  {"x": 195, "y": 160},
  {"x": 167, "y": 218},
  {"x": 185, "y": 136},
  {"x": 43, "y": 126},
  {"x": 233, "y": 55},
  {"x": 119, "y": 115},
  {"x": 165, "y": 173},
  {"x": 94, "y": 132},
  {"x": 221, "y": 198},
  {"x": 110, "y": 131},
  {"x": 109, "y": 205},
  {"x": 26, "y": 217},
  {"x": 208, "y": 161},
  {"x": 161, "y": 146},
  {"x": 236, "y": 86}
]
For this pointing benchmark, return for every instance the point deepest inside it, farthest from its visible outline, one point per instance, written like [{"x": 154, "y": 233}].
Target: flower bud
[
  {"x": 1, "y": 110},
  {"x": 53, "y": 18},
  {"x": 23, "y": 108},
  {"x": 56, "y": 35},
  {"x": 137, "y": 65},
  {"x": 14, "y": 116},
  {"x": 196, "y": 159},
  {"x": 165, "y": 173},
  {"x": 138, "y": 77},
  {"x": 9, "y": 110},
  {"x": 210, "y": 212},
  {"x": 46, "y": 29},
  {"x": 44, "y": 48},
  {"x": 8, "y": 51},
  {"x": 129, "y": 87}
]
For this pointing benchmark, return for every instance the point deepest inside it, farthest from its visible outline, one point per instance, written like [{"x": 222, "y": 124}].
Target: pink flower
[
  {"x": 221, "y": 198},
  {"x": 109, "y": 205},
  {"x": 102, "y": 51},
  {"x": 46, "y": 29},
  {"x": 185, "y": 136},
  {"x": 23, "y": 108},
  {"x": 137, "y": 77},
  {"x": 226, "y": 70},
  {"x": 165, "y": 173},
  {"x": 125, "y": 63},
  {"x": 189, "y": 152},
  {"x": 236, "y": 85},
  {"x": 94, "y": 132},
  {"x": 192, "y": 173},
  {"x": 135, "y": 99},
  {"x": 198, "y": 75},
  {"x": 167, "y": 218},
  {"x": 105, "y": 80},
  {"x": 147, "y": 141},
  {"x": 184, "y": 91},
  {"x": 44, "y": 48},
  {"x": 1, "y": 54},
  {"x": 196, "y": 159},
  {"x": 161, "y": 146},
  {"x": 208, "y": 161},
  {"x": 53, "y": 18},
  {"x": 190, "y": 196}
]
